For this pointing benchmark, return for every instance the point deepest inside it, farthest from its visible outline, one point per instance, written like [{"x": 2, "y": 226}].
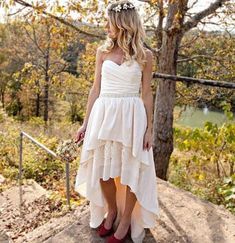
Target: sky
[{"x": 200, "y": 5}]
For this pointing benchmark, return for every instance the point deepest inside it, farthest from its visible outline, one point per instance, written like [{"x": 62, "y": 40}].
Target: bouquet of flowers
[{"x": 67, "y": 150}]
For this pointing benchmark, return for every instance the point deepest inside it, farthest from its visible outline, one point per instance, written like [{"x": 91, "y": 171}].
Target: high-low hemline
[{"x": 102, "y": 163}]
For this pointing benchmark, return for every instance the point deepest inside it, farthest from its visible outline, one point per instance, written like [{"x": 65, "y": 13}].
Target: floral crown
[{"x": 124, "y": 6}]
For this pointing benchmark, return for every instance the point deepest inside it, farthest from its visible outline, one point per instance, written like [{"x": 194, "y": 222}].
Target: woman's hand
[
  {"x": 80, "y": 134},
  {"x": 148, "y": 140}
]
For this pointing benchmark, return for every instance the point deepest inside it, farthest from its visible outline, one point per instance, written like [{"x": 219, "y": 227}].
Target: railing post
[
  {"x": 22, "y": 133},
  {"x": 20, "y": 172},
  {"x": 67, "y": 184}
]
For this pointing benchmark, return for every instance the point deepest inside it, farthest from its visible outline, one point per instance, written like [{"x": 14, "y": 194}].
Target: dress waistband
[{"x": 119, "y": 95}]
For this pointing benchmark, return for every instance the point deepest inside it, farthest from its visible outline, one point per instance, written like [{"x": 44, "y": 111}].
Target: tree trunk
[
  {"x": 46, "y": 98},
  {"x": 165, "y": 93},
  {"x": 3, "y": 99},
  {"x": 47, "y": 77},
  {"x": 164, "y": 106},
  {"x": 46, "y": 91},
  {"x": 37, "y": 111},
  {"x": 167, "y": 62}
]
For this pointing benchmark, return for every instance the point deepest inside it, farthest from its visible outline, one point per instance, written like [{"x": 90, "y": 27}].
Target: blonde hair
[{"x": 130, "y": 33}]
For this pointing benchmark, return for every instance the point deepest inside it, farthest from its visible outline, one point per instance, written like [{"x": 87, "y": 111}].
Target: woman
[{"x": 117, "y": 158}]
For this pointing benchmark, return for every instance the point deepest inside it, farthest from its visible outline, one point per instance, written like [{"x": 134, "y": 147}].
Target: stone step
[
  {"x": 10, "y": 219},
  {"x": 52, "y": 227},
  {"x": 31, "y": 191},
  {"x": 4, "y": 238}
]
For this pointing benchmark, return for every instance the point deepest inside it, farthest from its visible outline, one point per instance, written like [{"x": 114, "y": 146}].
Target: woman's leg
[
  {"x": 126, "y": 217},
  {"x": 109, "y": 190}
]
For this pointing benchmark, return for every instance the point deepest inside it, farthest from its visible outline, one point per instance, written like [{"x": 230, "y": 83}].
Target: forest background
[{"x": 47, "y": 62}]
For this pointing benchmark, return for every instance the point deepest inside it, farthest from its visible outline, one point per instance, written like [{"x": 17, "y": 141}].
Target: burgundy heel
[
  {"x": 113, "y": 239},
  {"x": 102, "y": 231}
]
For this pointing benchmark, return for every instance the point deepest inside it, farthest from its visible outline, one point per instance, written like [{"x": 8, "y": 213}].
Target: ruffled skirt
[{"x": 113, "y": 148}]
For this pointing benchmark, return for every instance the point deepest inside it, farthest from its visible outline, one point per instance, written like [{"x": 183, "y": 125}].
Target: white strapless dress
[{"x": 113, "y": 147}]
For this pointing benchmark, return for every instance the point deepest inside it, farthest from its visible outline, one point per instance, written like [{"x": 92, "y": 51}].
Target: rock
[
  {"x": 183, "y": 218},
  {"x": 54, "y": 226},
  {"x": 9, "y": 204},
  {"x": 4, "y": 238},
  {"x": 77, "y": 232},
  {"x": 187, "y": 218},
  {"x": 2, "y": 179},
  {"x": 31, "y": 191}
]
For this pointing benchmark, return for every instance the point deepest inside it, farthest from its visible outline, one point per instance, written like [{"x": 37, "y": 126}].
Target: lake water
[{"x": 196, "y": 117}]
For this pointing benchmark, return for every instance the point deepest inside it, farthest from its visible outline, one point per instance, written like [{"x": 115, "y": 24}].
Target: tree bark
[
  {"x": 3, "y": 99},
  {"x": 37, "y": 112},
  {"x": 164, "y": 106},
  {"x": 47, "y": 78},
  {"x": 46, "y": 98},
  {"x": 165, "y": 93},
  {"x": 37, "y": 101}
]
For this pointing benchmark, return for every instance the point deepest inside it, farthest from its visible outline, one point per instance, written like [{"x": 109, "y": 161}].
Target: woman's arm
[
  {"x": 147, "y": 97},
  {"x": 95, "y": 89}
]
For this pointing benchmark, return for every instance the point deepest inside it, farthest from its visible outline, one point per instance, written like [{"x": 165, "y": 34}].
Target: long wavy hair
[{"x": 129, "y": 34}]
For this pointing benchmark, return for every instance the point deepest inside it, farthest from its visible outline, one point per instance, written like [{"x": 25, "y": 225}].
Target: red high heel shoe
[
  {"x": 113, "y": 239},
  {"x": 102, "y": 231}
]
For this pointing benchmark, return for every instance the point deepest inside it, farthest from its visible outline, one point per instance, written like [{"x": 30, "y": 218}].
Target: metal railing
[{"x": 22, "y": 134}]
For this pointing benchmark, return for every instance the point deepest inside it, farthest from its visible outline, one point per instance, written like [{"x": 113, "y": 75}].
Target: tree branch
[
  {"x": 189, "y": 80},
  {"x": 190, "y": 42},
  {"x": 200, "y": 56},
  {"x": 199, "y": 16},
  {"x": 217, "y": 59},
  {"x": 18, "y": 11},
  {"x": 158, "y": 32},
  {"x": 23, "y": 3},
  {"x": 102, "y": 36},
  {"x": 193, "y": 4},
  {"x": 34, "y": 39},
  {"x": 145, "y": 1}
]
